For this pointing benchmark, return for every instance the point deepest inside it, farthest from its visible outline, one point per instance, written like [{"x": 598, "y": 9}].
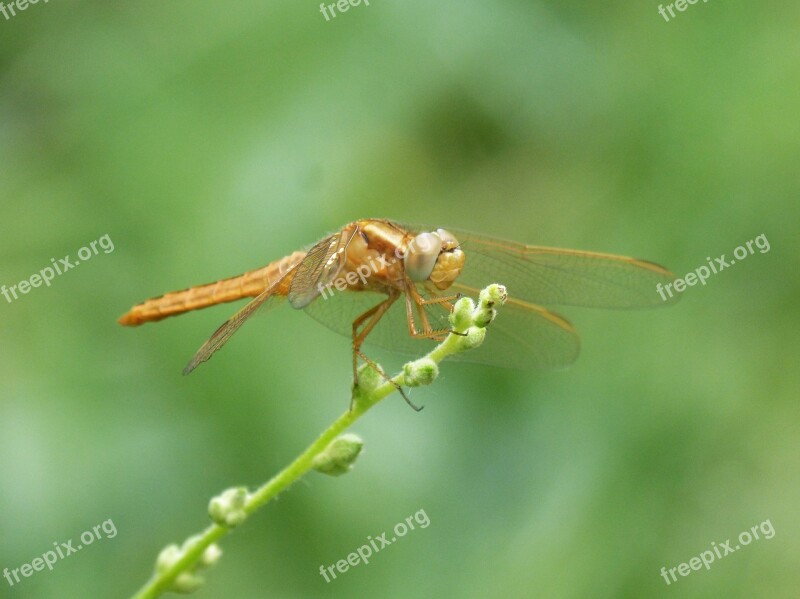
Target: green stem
[
  {"x": 160, "y": 582},
  {"x": 364, "y": 398},
  {"x": 293, "y": 472}
]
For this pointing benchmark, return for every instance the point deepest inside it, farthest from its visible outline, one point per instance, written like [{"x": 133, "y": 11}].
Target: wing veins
[{"x": 226, "y": 331}]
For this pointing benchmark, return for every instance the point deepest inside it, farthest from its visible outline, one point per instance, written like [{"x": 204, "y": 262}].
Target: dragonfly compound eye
[
  {"x": 420, "y": 258},
  {"x": 448, "y": 265},
  {"x": 449, "y": 241}
]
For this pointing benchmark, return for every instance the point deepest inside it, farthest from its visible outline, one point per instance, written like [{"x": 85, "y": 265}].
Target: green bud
[
  {"x": 461, "y": 316},
  {"x": 494, "y": 294},
  {"x": 167, "y": 558},
  {"x": 473, "y": 339},
  {"x": 484, "y": 317},
  {"x": 187, "y": 582},
  {"x": 489, "y": 297},
  {"x": 338, "y": 458},
  {"x": 420, "y": 372},
  {"x": 211, "y": 556},
  {"x": 369, "y": 379},
  {"x": 227, "y": 509}
]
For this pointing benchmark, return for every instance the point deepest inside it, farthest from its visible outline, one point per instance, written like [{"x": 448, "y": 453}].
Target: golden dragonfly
[{"x": 351, "y": 281}]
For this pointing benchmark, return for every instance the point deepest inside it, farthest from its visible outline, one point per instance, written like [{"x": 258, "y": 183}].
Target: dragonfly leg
[
  {"x": 413, "y": 297},
  {"x": 372, "y": 316},
  {"x": 374, "y": 366},
  {"x": 444, "y": 300},
  {"x": 427, "y": 331}
]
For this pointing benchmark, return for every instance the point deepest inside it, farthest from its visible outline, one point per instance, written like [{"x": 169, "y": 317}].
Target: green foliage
[{"x": 207, "y": 139}]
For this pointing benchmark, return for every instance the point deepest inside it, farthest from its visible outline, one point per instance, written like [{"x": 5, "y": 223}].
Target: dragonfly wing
[
  {"x": 266, "y": 301},
  {"x": 321, "y": 265},
  {"x": 523, "y": 336},
  {"x": 339, "y": 310},
  {"x": 552, "y": 276}
]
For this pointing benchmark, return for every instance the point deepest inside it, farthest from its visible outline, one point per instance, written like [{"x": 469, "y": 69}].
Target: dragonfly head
[{"x": 434, "y": 256}]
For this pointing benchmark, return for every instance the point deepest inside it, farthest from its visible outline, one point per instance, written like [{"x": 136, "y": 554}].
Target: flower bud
[
  {"x": 227, "y": 509},
  {"x": 211, "y": 556},
  {"x": 420, "y": 372},
  {"x": 473, "y": 339},
  {"x": 167, "y": 558},
  {"x": 340, "y": 456},
  {"x": 489, "y": 297},
  {"x": 461, "y": 316},
  {"x": 369, "y": 378},
  {"x": 189, "y": 580}
]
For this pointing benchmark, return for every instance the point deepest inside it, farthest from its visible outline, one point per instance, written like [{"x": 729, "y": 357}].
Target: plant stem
[
  {"x": 364, "y": 398},
  {"x": 293, "y": 472}
]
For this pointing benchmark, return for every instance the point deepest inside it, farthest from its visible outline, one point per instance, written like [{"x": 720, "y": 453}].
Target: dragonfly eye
[
  {"x": 420, "y": 258},
  {"x": 449, "y": 263},
  {"x": 449, "y": 241}
]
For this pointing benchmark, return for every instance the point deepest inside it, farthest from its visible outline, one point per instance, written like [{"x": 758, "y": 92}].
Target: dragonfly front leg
[
  {"x": 413, "y": 298},
  {"x": 444, "y": 300}
]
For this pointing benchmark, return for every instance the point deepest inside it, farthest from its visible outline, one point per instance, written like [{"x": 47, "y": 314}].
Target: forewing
[
  {"x": 321, "y": 265},
  {"x": 525, "y": 335},
  {"x": 552, "y": 276}
]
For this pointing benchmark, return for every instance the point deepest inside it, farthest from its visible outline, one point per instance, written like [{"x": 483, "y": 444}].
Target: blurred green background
[{"x": 210, "y": 138}]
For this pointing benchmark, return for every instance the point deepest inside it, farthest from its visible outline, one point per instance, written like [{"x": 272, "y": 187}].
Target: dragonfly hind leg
[{"x": 372, "y": 317}]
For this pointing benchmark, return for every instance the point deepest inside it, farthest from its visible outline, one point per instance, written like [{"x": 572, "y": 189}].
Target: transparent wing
[
  {"x": 266, "y": 301},
  {"x": 524, "y": 336},
  {"x": 339, "y": 310},
  {"x": 321, "y": 266},
  {"x": 552, "y": 276}
]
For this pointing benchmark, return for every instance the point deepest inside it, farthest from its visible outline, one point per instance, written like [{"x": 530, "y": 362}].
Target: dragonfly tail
[{"x": 250, "y": 284}]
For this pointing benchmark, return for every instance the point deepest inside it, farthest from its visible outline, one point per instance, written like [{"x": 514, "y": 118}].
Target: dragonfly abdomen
[{"x": 249, "y": 284}]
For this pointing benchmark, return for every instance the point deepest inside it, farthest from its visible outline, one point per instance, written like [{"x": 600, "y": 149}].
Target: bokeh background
[{"x": 210, "y": 138}]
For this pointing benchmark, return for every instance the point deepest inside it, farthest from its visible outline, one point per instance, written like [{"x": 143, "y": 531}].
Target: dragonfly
[{"x": 394, "y": 286}]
